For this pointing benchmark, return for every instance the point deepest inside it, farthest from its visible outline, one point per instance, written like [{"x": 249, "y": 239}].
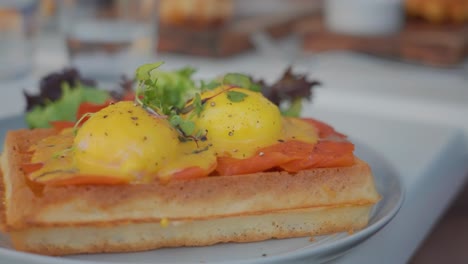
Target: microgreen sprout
[
  {"x": 165, "y": 98},
  {"x": 235, "y": 96},
  {"x": 176, "y": 96},
  {"x": 81, "y": 120},
  {"x": 241, "y": 80}
]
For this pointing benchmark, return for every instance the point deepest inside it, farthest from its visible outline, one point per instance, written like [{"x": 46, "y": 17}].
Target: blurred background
[
  {"x": 416, "y": 49},
  {"x": 105, "y": 38}
]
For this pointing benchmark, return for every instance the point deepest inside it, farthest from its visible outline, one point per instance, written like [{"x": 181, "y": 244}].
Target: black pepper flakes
[
  {"x": 134, "y": 118},
  {"x": 105, "y": 116}
]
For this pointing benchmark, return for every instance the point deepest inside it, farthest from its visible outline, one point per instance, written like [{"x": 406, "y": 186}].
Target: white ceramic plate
[{"x": 322, "y": 249}]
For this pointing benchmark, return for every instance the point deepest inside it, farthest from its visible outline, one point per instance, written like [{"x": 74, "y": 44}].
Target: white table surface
[{"x": 416, "y": 117}]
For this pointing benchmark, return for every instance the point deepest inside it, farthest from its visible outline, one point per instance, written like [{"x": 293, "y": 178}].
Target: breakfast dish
[
  {"x": 217, "y": 163},
  {"x": 320, "y": 249}
]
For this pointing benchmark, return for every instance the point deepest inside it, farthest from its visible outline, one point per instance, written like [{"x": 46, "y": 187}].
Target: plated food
[{"x": 182, "y": 165}]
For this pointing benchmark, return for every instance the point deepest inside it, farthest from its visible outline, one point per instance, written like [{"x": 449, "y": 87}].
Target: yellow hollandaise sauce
[
  {"x": 238, "y": 128},
  {"x": 128, "y": 144}
]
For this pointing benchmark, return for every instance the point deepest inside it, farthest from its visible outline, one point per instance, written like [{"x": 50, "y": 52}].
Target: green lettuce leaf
[{"x": 65, "y": 108}]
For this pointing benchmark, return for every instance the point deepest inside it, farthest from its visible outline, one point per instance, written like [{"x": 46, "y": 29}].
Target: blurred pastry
[
  {"x": 195, "y": 13},
  {"x": 438, "y": 11},
  {"x": 10, "y": 20}
]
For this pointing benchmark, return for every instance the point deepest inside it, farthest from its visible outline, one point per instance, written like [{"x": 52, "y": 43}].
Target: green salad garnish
[
  {"x": 175, "y": 95},
  {"x": 65, "y": 108}
]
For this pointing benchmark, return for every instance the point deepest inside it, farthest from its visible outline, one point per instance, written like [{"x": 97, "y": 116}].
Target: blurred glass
[
  {"x": 48, "y": 16},
  {"x": 364, "y": 17},
  {"x": 107, "y": 38},
  {"x": 18, "y": 20}
]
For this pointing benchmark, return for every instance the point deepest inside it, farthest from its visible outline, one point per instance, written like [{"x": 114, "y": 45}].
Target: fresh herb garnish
[
  {"x": 80, "y": 121},
  {"x": 51, "y": 87},
  {"x": 175, "y": 94},
  {"x": 235, "y": 96},
  {"x": 61, "y": 93},
  {"x": 143, "y": 73},
  {"x": 289, "y": 91},
  {"x": 66, "y": 107},
  {"x": 175, "y": 120},
  {"x": 237, "y": 79},
  {"x": 294, "y": 109},
  {"x": 164, "y": 90},
  {"x": 242, "y": 81},
  {"x": 187, "y": 127},
  {"x": 207, "y": 86},
  {"x": 167, "y": 93},
  {"x": 198, "y": 104}
]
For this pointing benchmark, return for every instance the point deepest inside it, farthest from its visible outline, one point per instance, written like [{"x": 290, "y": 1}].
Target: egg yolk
[
  {"x": 126, "y": 141},
  {"x": 238, "y": 121}
]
